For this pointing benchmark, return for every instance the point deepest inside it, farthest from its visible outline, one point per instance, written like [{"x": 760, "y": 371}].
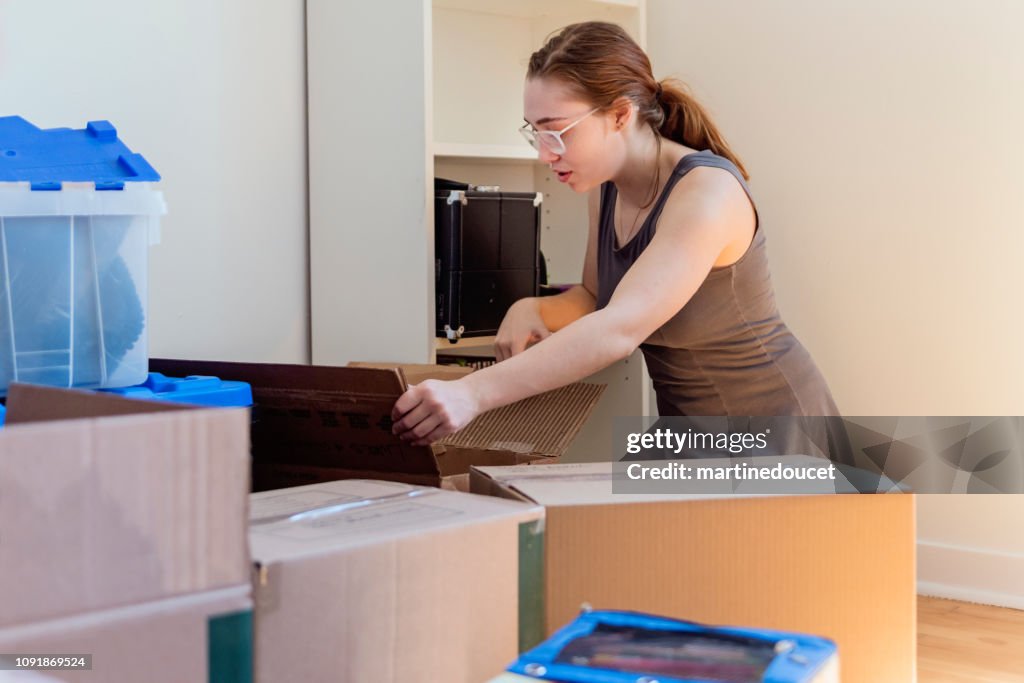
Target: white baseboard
[{"x": 970, "y": 575}]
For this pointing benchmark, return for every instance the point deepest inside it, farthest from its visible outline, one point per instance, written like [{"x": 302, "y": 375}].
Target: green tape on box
[
  {"x": 229, "y": 648},
  {"x": 531, "y": 584}
]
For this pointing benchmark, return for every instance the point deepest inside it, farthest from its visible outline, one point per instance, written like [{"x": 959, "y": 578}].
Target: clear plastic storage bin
[{"x": 77, "y": 217}]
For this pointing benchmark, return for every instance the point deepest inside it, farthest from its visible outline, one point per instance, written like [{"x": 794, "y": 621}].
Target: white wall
[
  {"x": 213, "y": 95},
  {"x": 884, "y": 140}
]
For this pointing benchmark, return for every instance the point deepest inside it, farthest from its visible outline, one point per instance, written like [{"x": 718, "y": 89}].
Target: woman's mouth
[{"x": 563, "y": 176}]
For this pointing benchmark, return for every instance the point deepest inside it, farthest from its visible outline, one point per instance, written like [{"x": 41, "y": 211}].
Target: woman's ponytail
[{"x": 687, "y": 122}]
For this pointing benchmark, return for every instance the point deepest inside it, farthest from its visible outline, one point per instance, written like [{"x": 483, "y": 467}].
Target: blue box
[
  {"x": 198, "y": 390},
  {"x": 606, "y": 646}
]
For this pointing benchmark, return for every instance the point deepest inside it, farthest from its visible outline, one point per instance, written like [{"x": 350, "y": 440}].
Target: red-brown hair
[{"x": 602, "y": 63}]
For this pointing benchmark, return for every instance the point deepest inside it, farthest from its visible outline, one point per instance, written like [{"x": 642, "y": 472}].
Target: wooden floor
[{"x": 960, "y": 642}]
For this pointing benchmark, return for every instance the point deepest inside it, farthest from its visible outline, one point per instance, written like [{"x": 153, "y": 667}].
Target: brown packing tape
[{"x": 544, "y": 424}]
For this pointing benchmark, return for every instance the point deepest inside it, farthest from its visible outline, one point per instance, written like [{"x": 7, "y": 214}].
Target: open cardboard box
[
  {"x": 838, "y": 566},
  {"x": 314, "y": 424}
]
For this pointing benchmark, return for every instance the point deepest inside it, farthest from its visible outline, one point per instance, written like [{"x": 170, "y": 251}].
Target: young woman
[{"x": 675, "y": 260}]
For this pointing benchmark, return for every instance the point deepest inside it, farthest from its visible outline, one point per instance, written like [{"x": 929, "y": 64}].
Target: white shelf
[
  {"x": 534, "y": 8},
  {"x": 457, "y": 150},
  {"x": 468, "y": 346}
]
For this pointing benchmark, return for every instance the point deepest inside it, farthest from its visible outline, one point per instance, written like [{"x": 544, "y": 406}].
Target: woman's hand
[
  {"x": 521, "y": 326},
  {"x": 433, "y": 409}
]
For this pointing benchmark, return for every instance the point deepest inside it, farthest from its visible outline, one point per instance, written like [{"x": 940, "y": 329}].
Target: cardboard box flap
[
  {"x": 544, "y": 424},
  {"x": 414, "y": 373},
  {"x": 309, "y": 520},
  {"x": 33, "y": 403},
  {"x": 282, "y": 376},
  {"x": 592, "y": 483},
  {"x": 557, "y": 484},
  {"x": 337, "y": 417}
]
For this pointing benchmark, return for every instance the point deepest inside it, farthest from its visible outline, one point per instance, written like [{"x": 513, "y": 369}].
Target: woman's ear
[{"x": 622, "y": 112}]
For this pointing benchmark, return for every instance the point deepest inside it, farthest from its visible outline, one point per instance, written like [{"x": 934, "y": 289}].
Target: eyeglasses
[{"x": 551, "y": 139}]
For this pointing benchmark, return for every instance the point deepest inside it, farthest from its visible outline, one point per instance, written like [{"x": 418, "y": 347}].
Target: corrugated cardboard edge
[
  {"x": 414, "y": 373},
  {"x": 545, "y": 424},
  {"x": 32, "y": 403}
]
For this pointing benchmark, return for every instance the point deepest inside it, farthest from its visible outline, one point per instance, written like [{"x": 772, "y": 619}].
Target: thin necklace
[{"x": 654, "y": 194}]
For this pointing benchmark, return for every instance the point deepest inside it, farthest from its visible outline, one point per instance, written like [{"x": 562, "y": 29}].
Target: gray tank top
[{"x": 727, "y": 350}]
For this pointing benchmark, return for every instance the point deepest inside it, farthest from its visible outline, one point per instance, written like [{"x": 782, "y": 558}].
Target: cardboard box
[
  {"x": 313, "y": 424},
  {"x": 838, "y": 566},
  {"x": 141, "y": 501},
  {"x": 200, "y": 638},
  {"x": 380, "y": 581}
]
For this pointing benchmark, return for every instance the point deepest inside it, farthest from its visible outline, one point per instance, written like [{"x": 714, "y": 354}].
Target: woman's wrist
[
  {"x": 477, "y": 387},
  {"x": 529, "y": 303}
]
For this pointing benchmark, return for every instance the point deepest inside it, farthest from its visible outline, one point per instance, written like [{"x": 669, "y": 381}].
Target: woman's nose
[{"x": 546, "y": 155}]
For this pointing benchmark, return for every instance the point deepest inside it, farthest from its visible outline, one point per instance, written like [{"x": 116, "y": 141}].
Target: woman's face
[{"x": 590, "y": 146}]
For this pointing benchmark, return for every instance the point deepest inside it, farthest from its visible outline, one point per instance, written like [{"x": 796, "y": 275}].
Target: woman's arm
[
  {"x": 533, "y": 319},
  {"x": 582, "y": 299},
  {"x": 701, "y": 218}
]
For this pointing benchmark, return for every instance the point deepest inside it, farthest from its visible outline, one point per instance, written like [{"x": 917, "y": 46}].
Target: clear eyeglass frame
[{"x": 550, "y": 139}]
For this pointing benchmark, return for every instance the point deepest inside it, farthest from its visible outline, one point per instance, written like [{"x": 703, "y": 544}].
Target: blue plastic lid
[
  {"x": 3, "y": 414},
  {"x": 46, "y": 158},
  {"x": 195, "y": 389}
]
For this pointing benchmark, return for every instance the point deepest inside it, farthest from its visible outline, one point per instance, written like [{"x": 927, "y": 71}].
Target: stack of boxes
[{"x": 124, "y": 537}]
